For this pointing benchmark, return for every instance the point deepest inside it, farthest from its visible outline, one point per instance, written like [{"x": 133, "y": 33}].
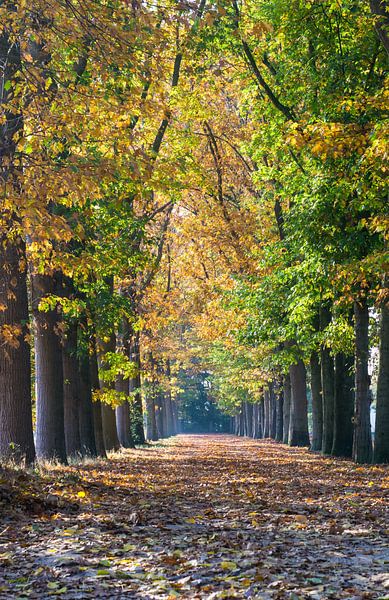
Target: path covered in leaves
[{"x": 200, "y": 517}]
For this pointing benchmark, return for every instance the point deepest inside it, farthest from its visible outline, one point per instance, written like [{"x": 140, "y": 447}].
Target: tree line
[{"x": 192, "y": 186}]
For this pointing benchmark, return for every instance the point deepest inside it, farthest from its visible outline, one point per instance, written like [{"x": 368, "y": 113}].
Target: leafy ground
[{"x": 199, "y": 517}]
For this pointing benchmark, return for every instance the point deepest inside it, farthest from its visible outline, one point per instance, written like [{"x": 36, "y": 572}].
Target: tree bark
[
  {"x": 328, "y": 386},
  {"x": 123, "y": 412},
  {"x": 343, "y": 406},
  {"x": 160, "y": 416},
  {"x": 280, "y": 414},
  {"x": 50, "y": 432},
  {"x": 287, "y": 398},
  {"x": 249, "y": 413},
  {"x": 123, "y": 419},
  {"x": 111, "y": 440},
  {"x": 96, "y": 405},
  {"x": 273, "y": 411},
  {"x": 362, "y": 443},
  {"x": 267, "y": 413},
  {"x": 379, "y": 9},
  {"x": 134, "y": 388},
  {"x": 381, "y": 446},
  {"x": 86, "y": 420},
  {"x": 169, "y": 415},
  {"x": 298, "y": 426},
  {"x": 317, "y": 405},
  {"x": 255, "y": 421},
  {"x": 71, "y": 391},
  {"x": 152, "y": 431},
  {"x": 171, "y": 429},
  {"x": 16, "y": 435}
]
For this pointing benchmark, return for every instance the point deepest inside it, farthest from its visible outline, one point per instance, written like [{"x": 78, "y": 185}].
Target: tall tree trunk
[
  {"x": 273, "y": 411},
  {"x": 160, "y": 416},
  {"x": 71, "y": 391},
  {"x": 249, "y": 419},
  {"x": 86, "y": 420},
  {"x": 381, "y": 446},
  {"x": 317, "y": 405},
  {"x": 267, "y": 413},
  {"x": 123, "y": 412},
  {"x": 344, "y": 406},
  {"x": 236, "y": 424},
  {"x": 255, "y": 420},
  {"x": 175, "y": 417},
  {"x": 123, "y": 419},
  {"x": 280, "y": 414},
  {"x": 97, "y": 415},
  {"x": 328, "y": 386},
  {"x": 50, "y": 433},
  {"x": 16, "y": 434},
  {"x": 169, "y": 404},
  {"x": 287, "y": 399},
  {"x": 169, "y": 415},
  {"x": 261, "y": 414},
  {"x": 111, "y": 440},
  {"x": 152, "y": 431},
  {"x": 298, "y": 425},
  {"x": 362, "y": 444},
  {"x": 135, "y": 389}
]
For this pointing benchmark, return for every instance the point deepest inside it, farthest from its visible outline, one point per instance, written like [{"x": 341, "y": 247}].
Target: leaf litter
[{"x": 199, "y": 517}]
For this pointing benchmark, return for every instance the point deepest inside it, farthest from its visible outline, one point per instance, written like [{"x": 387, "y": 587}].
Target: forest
[{"x": 194, "y": 229}]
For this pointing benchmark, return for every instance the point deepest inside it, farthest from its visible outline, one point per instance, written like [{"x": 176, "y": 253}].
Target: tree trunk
[
  {"x": 86, "y": 421},
  {"x": 250, "y": 423},
  {"x": 123, "y": 412},
  {"x": 111, "y": 440},
  {"x": 152, "y": 432},
  {"x": 298, "y": 426},
  {"x": 169, "y": 415},
  {"x": 381, "y": 447},
  {"x": 267, "y": 413},
  {"x": 279, "y": 414},
  {"x": 123, "y": 420},
  {"x": 175, "y": 417},
  {"x": 344, "y": 406},
  {"x": 169, "y": 405},
  {"x": 236, "y": 424},
  {"x": 16, "y": 436},
  {"x": 261, "y": 414},
  {"x": 273, "y": 411},
  {"x": 135, "y": 389},
  {"x": 317, "y": 405},
  {"x": 71, "y": 391},
  {"x": 96, "y": 405},
  {"x": 256, "y": 421},
  {"x": 362, "y": 444},
  {"x": 287, "y": 398},
  {"x": 328, "y": 386},
  {"x": 50, "y": 433},
  {"x": 379, "y": 9},
  {"x": 159, "y": 414}
]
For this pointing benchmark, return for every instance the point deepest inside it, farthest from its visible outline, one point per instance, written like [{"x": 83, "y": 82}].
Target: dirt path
[{"x": 201, "y": 517}]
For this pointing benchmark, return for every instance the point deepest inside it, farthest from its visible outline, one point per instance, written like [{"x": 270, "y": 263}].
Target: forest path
[{"x": 201, "y": 517}]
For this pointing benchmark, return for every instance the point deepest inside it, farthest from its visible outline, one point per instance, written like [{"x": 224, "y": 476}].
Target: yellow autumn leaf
[{"x": 228, "y": 565}]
